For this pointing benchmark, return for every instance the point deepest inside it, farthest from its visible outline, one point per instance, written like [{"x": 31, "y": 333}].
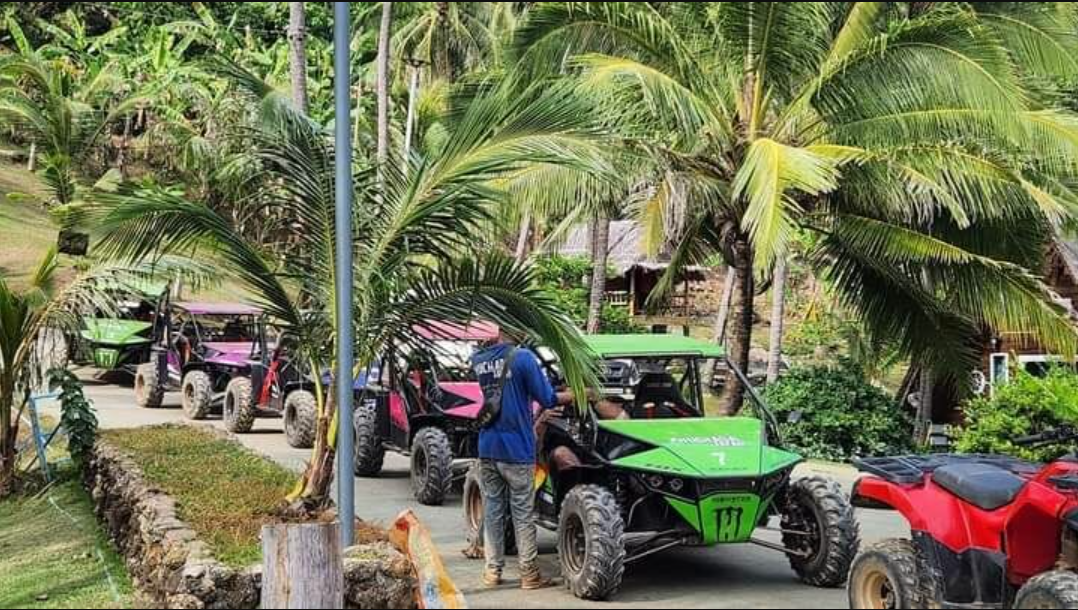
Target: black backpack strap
[{"x": 508, "y": 364}]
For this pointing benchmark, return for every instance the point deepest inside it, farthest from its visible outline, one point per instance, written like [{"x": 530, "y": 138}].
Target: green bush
[
  {"x": 1026, "y": 405},
  {"x": 842, "y": 415},
  {"x": 567, "y": 280},
  {"x": 77, "y": 416}
]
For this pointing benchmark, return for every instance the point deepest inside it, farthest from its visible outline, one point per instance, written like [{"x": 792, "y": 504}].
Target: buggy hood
[
  {"x": 732, "y": 447},
  {"x": 114, "y": 331}
]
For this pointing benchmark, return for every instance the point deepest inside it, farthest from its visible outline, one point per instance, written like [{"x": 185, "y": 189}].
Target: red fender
[{"x": 933, "y": 510}]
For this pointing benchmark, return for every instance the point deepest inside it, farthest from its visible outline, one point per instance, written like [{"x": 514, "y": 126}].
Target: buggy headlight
[
  {"x": 676, "y": 485},
  {"x": 655, "y": 481}
]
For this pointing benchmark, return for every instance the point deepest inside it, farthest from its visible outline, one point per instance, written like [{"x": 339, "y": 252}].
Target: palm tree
[
  {"x": 910, "y": 144},
  {"x": 385, "y": 28},
  {"x": 33, "y": 319},
  {"x": 65, "y": 117},
  {"x": 297, "y": 57},
  {"x": 415, "y": 253}
]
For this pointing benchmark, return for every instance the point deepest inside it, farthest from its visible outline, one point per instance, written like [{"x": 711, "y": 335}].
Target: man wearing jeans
[{"x": 507, "y": 457}]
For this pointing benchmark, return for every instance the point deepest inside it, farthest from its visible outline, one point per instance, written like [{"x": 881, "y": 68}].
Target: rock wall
[{"x": 172, "y": 568}]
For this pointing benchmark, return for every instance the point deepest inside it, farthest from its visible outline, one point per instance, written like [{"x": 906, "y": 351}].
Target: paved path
[{"x": 727, "y": 577}]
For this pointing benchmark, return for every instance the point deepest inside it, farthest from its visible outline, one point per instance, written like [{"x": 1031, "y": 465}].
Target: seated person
[{"x": 558, "y": 445}]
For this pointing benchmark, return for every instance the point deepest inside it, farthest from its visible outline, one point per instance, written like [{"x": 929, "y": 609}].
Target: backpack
[{"x": 492, "y": 398}]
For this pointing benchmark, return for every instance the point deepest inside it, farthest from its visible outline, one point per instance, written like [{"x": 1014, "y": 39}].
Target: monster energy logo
[{"x": 730, "y": 517}]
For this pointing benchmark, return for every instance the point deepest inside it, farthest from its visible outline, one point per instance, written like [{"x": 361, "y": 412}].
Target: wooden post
[{"x": 302, "y": 566}]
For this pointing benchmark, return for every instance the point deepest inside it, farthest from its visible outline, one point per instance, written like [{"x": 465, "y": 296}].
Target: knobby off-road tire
[
  {"x": 891, "y": 574},
  {"x": 197, "y": 389},
  {"x": 817, "y": 506},
  {"x": 473, "y": 517},
  {"x": 149, "y": 390},
  {"x": 591, "y": 542},
  {"x": 370, "y": 454},
  {"x": 432, "y": 466},
  {"x": 238, "y": 410},
  {"x": 1057, "y": 589},
  {"x": 300, "y": 419}
]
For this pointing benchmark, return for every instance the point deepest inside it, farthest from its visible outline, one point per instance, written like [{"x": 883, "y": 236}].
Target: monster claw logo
[{"x": 730, "y": 522}]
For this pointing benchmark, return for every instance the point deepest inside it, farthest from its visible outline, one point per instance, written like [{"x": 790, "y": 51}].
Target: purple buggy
[{"x": 199, "y": 348}]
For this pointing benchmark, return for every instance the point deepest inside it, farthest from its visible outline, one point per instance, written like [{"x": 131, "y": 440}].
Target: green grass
[
  {"x": 222, "y": 490},
  {"x": 49, "y": 561},
  {"x": 22, "y": 215}
]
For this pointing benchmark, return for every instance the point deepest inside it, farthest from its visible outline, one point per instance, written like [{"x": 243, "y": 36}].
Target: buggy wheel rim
[
  {"x": 805, "y": 519},
  {"x": 188, "y": 393},
  {"x": 229, "y": 406},
  {"x": 140, "y": 386},
  {"x": 874, "y": 590},
  {"x": 289, "y": 420},
  {"x": 576, "y": 544},
  {"x": 419, "y": 466}
]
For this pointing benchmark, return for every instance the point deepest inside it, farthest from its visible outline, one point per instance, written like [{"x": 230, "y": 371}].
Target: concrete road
[{"x": 724, "y": 577}]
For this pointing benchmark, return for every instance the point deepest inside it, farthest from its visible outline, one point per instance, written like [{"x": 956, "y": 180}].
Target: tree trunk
[
  {"x": 443, "y": 63},
  {"x": 297, "y": 59},
  {"x": 302, "y": 566},
  {"x": 925, "y": 408},
  {"x": 383, "y": 81},
  {"x": 778, "y": 311},
  {"x": 740, "y": 331},
  {"x": 33, "y": 157},
  {"x": 524, "y": 237},
  {"x": 318, "y": 478},
  {"x": 600, "y": 244},
  {"x": 409, "y": 124},
  {"x": 724, "y": 305}
]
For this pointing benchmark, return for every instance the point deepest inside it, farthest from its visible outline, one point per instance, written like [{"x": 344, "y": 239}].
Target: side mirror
[{"x": 795, "y": 417}]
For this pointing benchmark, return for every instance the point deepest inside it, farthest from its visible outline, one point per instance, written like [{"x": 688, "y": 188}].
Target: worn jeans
[{"x": 508, "y": 489}]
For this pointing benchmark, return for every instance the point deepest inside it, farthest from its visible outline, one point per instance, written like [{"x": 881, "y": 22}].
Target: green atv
[
  {"x": 665, "y": 475},
  {"x": 120, "y": 339}
]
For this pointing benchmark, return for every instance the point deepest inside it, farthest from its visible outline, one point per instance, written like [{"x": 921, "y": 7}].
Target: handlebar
[{"x": 1054, "y": 435}]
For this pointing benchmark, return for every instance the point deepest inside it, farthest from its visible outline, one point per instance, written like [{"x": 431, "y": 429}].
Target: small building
[
  {"x": 1005, "y": 352},
  {"x": 635, "y": 274}
]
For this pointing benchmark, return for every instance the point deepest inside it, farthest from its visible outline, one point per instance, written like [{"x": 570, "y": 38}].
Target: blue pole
[{"x": 346, "y": 499}]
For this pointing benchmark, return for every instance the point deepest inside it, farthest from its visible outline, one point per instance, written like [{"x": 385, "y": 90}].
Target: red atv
[{"x": 988, "y": 532}]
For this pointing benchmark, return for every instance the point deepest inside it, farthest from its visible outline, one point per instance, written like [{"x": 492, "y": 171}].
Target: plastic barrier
[{"x": 436, "y": 589}]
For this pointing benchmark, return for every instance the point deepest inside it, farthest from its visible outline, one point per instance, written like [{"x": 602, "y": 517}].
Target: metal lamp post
[{"x": 345, "y": 356}]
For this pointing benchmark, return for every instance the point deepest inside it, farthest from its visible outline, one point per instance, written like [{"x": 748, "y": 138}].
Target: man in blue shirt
[{"x": 507, "y": 456}]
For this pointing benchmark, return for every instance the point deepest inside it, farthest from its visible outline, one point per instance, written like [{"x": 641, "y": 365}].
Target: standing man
[{"x": 507, "y": 455}]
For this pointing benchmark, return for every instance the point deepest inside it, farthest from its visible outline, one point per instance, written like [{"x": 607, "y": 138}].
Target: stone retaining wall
[{"x": 172, "y": 568}]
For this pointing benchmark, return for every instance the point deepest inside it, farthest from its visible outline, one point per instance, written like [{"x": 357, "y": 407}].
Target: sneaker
[
  {"x": 491, "y": 578},
  {"x": 534, "y": 580}
]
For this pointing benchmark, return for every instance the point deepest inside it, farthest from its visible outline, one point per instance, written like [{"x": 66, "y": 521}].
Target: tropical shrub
[
  {"x": 842, "y": 415},
  {"x": 1026, "y": 405},
  {"x": 565, "y": 278},
  {"x": 77, "y": 416}
]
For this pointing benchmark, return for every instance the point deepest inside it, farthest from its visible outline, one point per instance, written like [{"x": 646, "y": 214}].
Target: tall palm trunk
[
  {"x": 600, "y": 243},
  {"x": 778, "y": 312},
  {"x": 523, "y": 237},
  {"x": 925, "y": 408},
  {"x": 383, "y": 81},
  {"x": 409, "y": 122},
  {"x": 723, "y": 315},
  {"x": 443, "y": 63},
  {"x": 740, "y": 331},
  {"x": 297, "y": 58}
]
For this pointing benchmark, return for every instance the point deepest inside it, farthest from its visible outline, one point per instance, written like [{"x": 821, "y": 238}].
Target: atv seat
[
  {"x": 984, "y": 486},
  {"x": 660, "y": 390}
]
